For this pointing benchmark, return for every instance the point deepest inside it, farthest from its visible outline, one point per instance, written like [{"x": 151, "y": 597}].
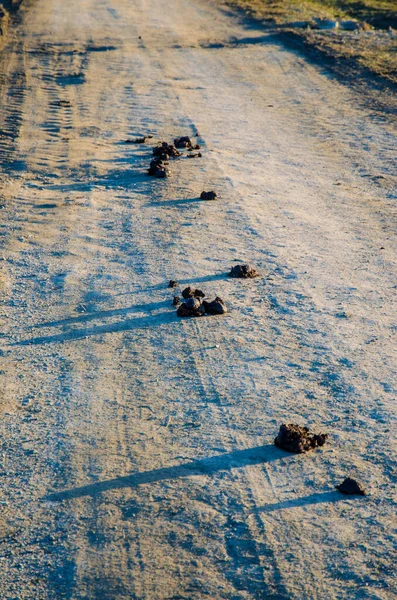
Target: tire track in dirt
[
  {"x": 242, "y": 534},
  {"x": 250, "y": 544}
]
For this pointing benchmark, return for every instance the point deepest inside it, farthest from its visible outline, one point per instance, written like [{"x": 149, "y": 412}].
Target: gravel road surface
[{"x": 137, "y": 455}]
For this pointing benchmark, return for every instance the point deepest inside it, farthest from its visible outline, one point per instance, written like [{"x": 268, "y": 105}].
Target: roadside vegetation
[{"x": 361, "y": 32}]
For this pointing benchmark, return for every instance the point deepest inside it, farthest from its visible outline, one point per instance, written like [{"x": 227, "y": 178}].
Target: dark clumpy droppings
[
  {"x": 172, "y": 283},
  {"x": 208, "y": 195},
  {"x": 294, "y": 438},
  {"x": 351, "y": 486},
  {"x": 176, "y": 301},
  {"x": 216, "y": 307},
  {"x": 165, "y": 151},
  {"x": 185, "y": 142},
  {"x": 244, "y": 272},
  {"x": 162, "y": 153},
  {"x": 191, "y": 308},
  {"x": 190, "y": 292},
  {"x": 158, "y": 169}
]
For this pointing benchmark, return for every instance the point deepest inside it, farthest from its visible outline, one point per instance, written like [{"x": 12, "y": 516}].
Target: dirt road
[{"x": 137, "y": 448}]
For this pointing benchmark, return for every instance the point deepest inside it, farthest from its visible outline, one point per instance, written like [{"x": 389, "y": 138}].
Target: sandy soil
[{"x": 137, "y": 448}]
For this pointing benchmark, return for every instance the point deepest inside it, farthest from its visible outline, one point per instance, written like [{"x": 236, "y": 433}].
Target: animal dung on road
[
  {"x": 244, "y": 272},
  {"x": 165, "y": 151},
  {"x": 176, "y": 301},
  {"x": 351, "y": 487},
  {"x": 173, "y": 284},
  {"x": 216, "y": 307},
  {"x": 195, "y": 306},
  {"x": 158, "y": 169},
  {"x": 297, "y": 439},
  {"x": 208, "y": 195},
  {"x": 190, "y": 292},
  {"x": 192, "y": 307},
  {"x": 185, "y": 142},
  {"x": 194, "y": 303},
  {"x": 162, "y": 153}
]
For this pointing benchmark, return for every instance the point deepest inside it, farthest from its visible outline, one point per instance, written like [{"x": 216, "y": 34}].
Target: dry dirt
[{"x": 137, "y": 453}]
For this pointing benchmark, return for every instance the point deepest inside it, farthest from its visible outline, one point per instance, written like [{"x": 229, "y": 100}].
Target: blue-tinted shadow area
[{"x": 206, "y": 466}]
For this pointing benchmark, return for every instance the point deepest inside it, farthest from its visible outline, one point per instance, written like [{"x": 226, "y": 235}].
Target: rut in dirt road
[{"x": 137, "y": 448}]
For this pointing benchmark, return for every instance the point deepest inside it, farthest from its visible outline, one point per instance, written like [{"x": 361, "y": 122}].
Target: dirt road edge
[{"x": 329, "y": 49}]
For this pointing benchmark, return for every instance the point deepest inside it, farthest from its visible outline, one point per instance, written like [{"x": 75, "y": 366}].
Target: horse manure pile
[
  {"x": 186, "y": 142},
  {"x": 164, "y": 151},
  {"x": 297, "y": 439},
  {"x": 216, "y": 307},
  {"x": 244, "y": 272},
  {"x": 194, "y": 304},
  {"x": 190, "y": 292}
]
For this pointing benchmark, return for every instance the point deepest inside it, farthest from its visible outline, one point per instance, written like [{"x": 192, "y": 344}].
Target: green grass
[
  {"x": 379, "y": 13},
  {"x": 376, "y": 52}
]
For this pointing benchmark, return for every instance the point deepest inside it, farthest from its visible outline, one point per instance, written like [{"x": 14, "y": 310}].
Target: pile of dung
[
  {"x": 244, "y": 272},
  {"x": 294, "y": 438}
]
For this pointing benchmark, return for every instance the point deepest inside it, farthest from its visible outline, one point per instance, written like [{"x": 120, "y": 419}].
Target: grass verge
[{"x": 361, "y": 33}]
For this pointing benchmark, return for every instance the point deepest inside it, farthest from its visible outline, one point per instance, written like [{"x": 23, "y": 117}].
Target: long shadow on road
[
  {"x": 322, "y": 498},
  {"x": 206, "y": 466},
  {"x": 179, "y": 202},
  {"x": 104, "y": 314},
  {"x": 78, "y": 334},
  {"x": 114, "y": 179}
]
